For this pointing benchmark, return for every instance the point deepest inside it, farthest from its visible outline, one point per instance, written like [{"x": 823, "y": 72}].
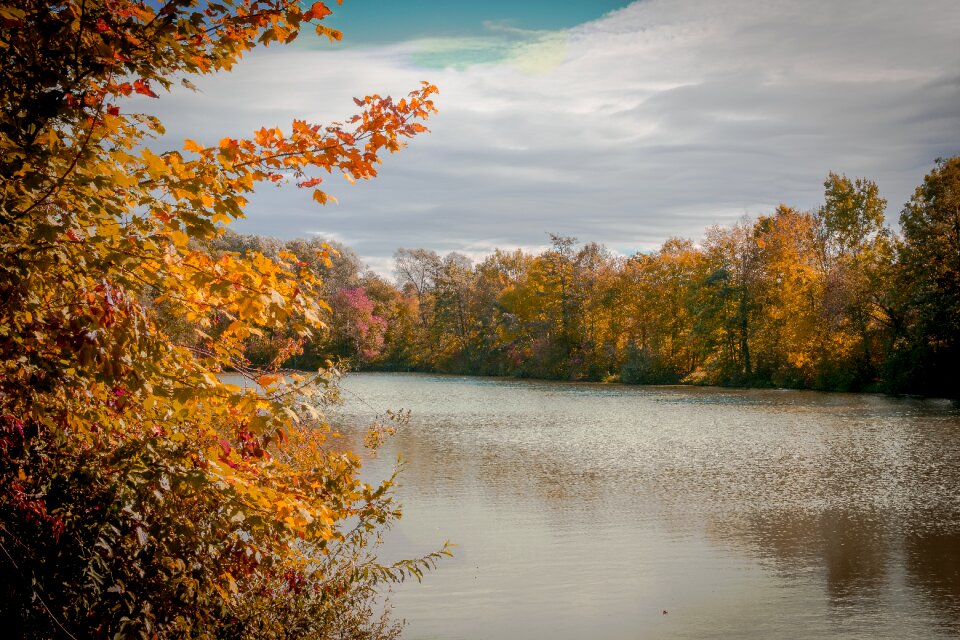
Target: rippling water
[{"x": 608, "y": 512}]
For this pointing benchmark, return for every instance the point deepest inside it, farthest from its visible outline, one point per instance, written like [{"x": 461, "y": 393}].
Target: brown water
[{"x": 608, "y": 512}]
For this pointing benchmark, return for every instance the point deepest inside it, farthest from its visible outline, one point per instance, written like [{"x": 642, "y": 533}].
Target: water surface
[{"x": 608, "y": 512}]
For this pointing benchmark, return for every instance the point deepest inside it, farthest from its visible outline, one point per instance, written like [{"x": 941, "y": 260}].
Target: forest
[{"x": 827, "y": 299}]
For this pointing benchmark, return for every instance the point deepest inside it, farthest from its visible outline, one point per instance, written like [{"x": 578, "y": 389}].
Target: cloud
[{"x": 656, "y": 120}]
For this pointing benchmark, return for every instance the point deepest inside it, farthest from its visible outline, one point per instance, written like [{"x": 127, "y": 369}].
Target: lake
[{"x": 614, "y": 512}]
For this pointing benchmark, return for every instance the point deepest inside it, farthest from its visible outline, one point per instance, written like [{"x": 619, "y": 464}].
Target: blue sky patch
[{"x": 379, "y": 22}]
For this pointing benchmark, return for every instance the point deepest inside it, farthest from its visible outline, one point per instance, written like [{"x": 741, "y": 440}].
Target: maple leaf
[
  {"x": 143, "y": 88},
  {"x": 318, "y": 11}
]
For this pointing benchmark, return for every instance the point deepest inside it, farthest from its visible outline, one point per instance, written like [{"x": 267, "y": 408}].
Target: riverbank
[{"x": 877, "y": 389}]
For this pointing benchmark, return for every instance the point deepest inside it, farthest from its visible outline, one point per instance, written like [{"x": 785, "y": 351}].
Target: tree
[
  {"x": 418, "y": 268},
  {"x": 506, "y": 316},
  {"x": 399, "y": 313},
  {"x": 856, "y": 251},
  {"x": 593, "y": 282},
  {"x": 660, "y": 326},
  {"x": 453, "y": 326},
  {"x": 725, "y": 303},
  {"x": 357, "y": 330},
  {"x": 851, "y": 218},
  {"x": 555, "y": 283},
  {"x": 930, "y": 273},
  {"x": 343, "y": 269},
  {"x": 417, "y": 271},
  {"x": 789, "y": 331},
  {"x": 140, "y": 493}
]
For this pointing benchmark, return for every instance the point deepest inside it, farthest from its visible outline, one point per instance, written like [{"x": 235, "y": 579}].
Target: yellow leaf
[
  {"x": 180, "y": 238},
  {"x": 231, "y": 583},
  {"x": 156, "y": 167}
]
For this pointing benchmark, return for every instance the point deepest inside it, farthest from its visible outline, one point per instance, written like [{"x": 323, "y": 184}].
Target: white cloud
[{"x": 656, "y": 120}]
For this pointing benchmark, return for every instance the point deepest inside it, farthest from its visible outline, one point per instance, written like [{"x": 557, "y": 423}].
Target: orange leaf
[
  {"x": 141, "y": 87},
  {"x": 318, "y": 11}
]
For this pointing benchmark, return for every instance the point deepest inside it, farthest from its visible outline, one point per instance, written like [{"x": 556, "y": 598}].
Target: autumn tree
[
  {"x": 594, "y": 268},
  {"x": 851, "y": 218},
  {"x": 142, "y": 494},
  {"x": 416, "y": 271},
  {"x": 453, "y": 328},
  {"x": 856, "y": 250},
  {"x": 660, "y": 317},
  {"x": 401, "y": 317},
  {"x": 930, "y": 276},
  {"x": 725, "y": 303},
  {"x": 357, "y": 331},
  {"x": 789, "y": 339},
  {"x": 507, "y": 317}
]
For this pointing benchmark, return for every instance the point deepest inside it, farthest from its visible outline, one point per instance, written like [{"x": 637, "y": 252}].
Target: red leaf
[
  {"x": 318, "y": 11},
  {"x": 141, "y": 87}
]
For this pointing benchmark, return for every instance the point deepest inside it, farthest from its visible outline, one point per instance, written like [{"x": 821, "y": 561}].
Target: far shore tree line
[{"x": 824, "y": 299}]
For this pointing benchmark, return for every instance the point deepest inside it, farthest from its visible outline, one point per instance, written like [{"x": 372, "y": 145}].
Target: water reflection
[
  {"x": 588, "y": 510},
  {"x": 933, "y": 566}
]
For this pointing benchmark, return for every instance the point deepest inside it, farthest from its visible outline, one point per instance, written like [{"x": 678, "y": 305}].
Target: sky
[{"x": 614, "y": 122}]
